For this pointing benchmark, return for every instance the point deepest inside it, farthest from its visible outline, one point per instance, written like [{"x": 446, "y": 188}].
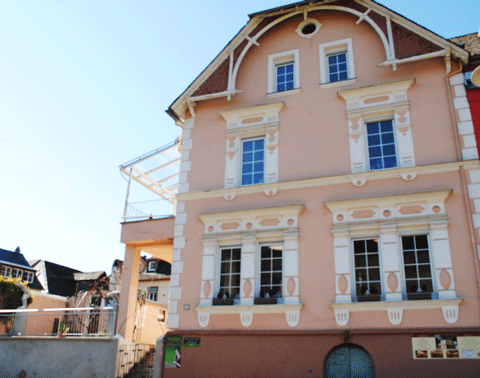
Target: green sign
[
  {"x": 191, "y": 342},
  {"x": 173, "y": 351}
]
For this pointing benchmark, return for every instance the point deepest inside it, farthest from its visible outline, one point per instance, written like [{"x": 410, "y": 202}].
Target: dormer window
[{"x": 152, "y": 266}]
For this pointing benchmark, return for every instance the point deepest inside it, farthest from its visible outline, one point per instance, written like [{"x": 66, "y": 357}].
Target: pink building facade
[{"x": 329, "y": 202}]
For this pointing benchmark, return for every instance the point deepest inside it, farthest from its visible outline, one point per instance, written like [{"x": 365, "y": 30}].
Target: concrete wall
[{"x": 46, "y": 357}]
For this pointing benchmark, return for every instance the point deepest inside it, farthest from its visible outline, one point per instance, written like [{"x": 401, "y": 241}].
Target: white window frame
[
  {"x": 154, "y": 290},
  {"x": 152, "y": 266},
  {"x": 18, "y": 273},
  {"x": 373, "y": 104},
  {"x": 275, "y": 60},
  {"x": 258, "y": 253},
  {"x": 354, "y": 281},
  {"x": 30, "y": 277},
  {"x": 367, "y": 147},
  {"x": 383, "y": 216},
  {"x": 218, "y": 268},
  {"x": 6, "y": 271},
  {"x": 253, "y": 139},
  {"x": 331, "y": 48},
  {"x": 251, "y": 123},
  {"x": 431, "y": 261}
]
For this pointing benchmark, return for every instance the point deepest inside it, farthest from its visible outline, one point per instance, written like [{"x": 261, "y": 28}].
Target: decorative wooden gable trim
[{"x": 402, "y": 39}]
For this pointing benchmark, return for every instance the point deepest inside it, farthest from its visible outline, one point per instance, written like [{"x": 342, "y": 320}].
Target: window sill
[
  {"x": 395, "y": 309},
  {"x": 291, "y": 311},
  {"x": 284, "y": 93},
  {"x": 338, "y": 83}
]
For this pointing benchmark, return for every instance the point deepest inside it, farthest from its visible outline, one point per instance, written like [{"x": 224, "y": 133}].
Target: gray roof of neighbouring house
[
  {"x": 89, "y": 276},
  {"x": 16, "y": 258},
  {"x": 58, "y": 279}
]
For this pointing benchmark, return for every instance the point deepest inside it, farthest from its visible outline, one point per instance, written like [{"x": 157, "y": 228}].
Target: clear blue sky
[{"x": 83, "y": 89}]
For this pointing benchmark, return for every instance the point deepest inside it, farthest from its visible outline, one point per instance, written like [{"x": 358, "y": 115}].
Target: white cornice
[
  {"x": 376, "y": 90},
  {"x": 269, "y": 212},
  {"x": 331, "y": 180},
  {"x": 437, "y": 196},
  {"x": 406, "y": 305},
  {"x": 252, "y": 111},
  {"x": 256, "y": 309}
]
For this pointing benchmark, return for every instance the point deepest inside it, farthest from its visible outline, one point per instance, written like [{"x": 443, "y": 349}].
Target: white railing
[
  {"x": 142, "y": 210},
  {"x": 87, "y": 321}
]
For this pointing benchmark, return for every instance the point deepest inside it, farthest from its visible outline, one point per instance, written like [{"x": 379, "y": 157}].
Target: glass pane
[
  {"x": 236, "y": 267},
  {"x": 332, "y": 59},
  {"x": 390, "y": 162},
  {"x": 372, "y": 245},
  {"x": 248, "y": 146},
  {"x": 289, "y": 85},
  {"x": 376, "y": 164},
  {"x": 407, "y": 242},
  {"x": 247, "y": 157},
  {"x": 361, "y": 275},
  {"x": 424, "y": 271},
  {"x": 246, "y": 180},
  {"x": 421, "y": 242},
  {"x": 225, "y": 267},
  {"x": 235, "y": 292},
  {"x": 375, "y": 288},
  {"x": 374, "y": 140},
  {"x": 410, "y": 272},
  {"x": 226, "y": 254},
  {"x": 359, "y": 246},
  {"x": 375, "y": 152},
  {"x": 266, "y": 265},
  {"x": 409, "y": 257},
  {"x": 290, "y": 77},
  {"x": 343, "y": 76},
  {"x": 426, "y": 286},
  {"x": 277, "y": 252},
  {"x": 265, "y": 279},
  {"x": 374, "y": 274},
  {"x": 280, "y": 87},
  {"x": 277, "y": 264},
  {"x": 389, "y": 149},
  {"x": 266, "y": 252},
  {"x": 280, "y": 70},
  {"x": 387, "y": 138},
  {"x": 236, "y": 280},
  {"x": 372, "y": 128},
  {"x": 258, "y": 166},
  {"x": 360, "y": 261},
  {"x": 259, "y": 155},
  {"x": 277, "y": 278},
  {"x": 224, "y": 281},
  {"x": 412, "y": 286},
  {"x": 236, "y": 253},
  {"x": 259, "y": 144},
  {"x": 334, "y": 69},
  {"x": 289, "y": 68},
  {"x": 386, "y": 126},
  {"x": 342, "y": 66},
  {"x": 247, "y": 168},
  {"x": 373, "y": 260},
  {"x": 423, "y": 257},
  {"x": 342, "y": 58},
  {"x": 258, "y": 178},
  {"x": 362, "y": 288}
]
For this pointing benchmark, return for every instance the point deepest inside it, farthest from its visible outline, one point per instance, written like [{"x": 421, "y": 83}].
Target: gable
[{"x": 401, "y": 39}]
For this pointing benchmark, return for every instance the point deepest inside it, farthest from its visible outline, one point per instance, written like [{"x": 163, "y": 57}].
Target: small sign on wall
[
  {"x": 446, "y": 347},
  {"x": 191, "y": 342}
]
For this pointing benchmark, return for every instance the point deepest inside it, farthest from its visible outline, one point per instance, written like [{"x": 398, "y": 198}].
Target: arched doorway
[{"x": 349, "y": 361}]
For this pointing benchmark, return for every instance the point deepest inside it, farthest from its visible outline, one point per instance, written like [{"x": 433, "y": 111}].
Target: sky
[{"x": 84, "y": 86}]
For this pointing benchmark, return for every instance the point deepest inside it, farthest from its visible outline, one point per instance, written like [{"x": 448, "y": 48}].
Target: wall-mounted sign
[
  {"x": 446, "y": 347},
  {"x": 191, "y": 342},
  {"x": 173, "y": 351}
]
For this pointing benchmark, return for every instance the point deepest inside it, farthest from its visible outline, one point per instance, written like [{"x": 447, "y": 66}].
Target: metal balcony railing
[{"x": 87, "y": 321}]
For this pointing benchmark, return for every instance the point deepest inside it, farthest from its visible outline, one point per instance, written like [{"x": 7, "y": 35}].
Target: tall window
[
  {"x": 381, "y": 145},
  {"x": 337, "y": 67},
  {"x": 253, "y": 161},
  {"x": 271, "y": 271},
  {"x": 367, "y": 270},
  {"x": 418, "y": 272},
  {"x": 285, "y": 80},
  {"x": 152, "y": 293},
  {"x": 230, "y": 273}
]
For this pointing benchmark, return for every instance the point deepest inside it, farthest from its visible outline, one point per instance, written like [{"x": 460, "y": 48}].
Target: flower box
[
  {"x": 418, "y": 296},
  {"x": 222, "y": 302},
  {"x": 265, "y": 301},
  {"x": 369, "y": 298}
]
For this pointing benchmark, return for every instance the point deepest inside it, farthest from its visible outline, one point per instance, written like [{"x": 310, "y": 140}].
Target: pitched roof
[
  {"x": 471, "y": 41},
  {"x": 90, "y": 276},
  {"x": 218, "y": 78},
  {"x": 14, "y": 258},
  {"x": 58, "y": 279}
]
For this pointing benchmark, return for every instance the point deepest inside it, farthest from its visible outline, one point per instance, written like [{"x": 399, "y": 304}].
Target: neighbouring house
[
  {"x": 56, "y": 279},
  {"x": 471, "y": 42},
  {"x": 13, "y": 264},
  {"x": 325, "y": 215}
]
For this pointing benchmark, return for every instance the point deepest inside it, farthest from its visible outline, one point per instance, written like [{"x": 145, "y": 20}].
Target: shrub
[{"x": 11, "y": 293}]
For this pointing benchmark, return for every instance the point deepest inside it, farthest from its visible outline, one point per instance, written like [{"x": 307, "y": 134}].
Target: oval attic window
[{"x": 308, "y": 28}]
